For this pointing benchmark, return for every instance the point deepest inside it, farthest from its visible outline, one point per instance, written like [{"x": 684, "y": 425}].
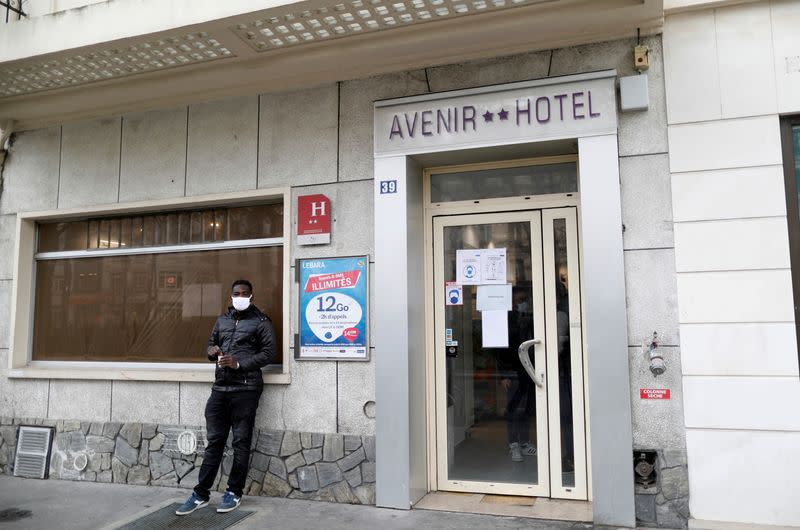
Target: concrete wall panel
[
  {"x": 153, "y": 155},
  {"x": 785, "y": 21},
  {"x": 489, "y": 71},
  {"x": 222, "y": 146},
  {"x": 5, "y": 312},
  {"x": 8, "y": 237},
  {"x": 739, "y": 349},
  {"x": 646, "y": 204},
  {"x": 728, "y": 194},
  {"x": 146, "y": 402},
  {"x": 80, "y": 400},
  {"x": 764, "y": 465},
  {"x": 356, "y": 387},
  {"x": 355, "y": 111},
  {"x": 652, "y": 297},
  {"x": 30, "y": 177},
  {"x": 90, "y": 163},
  {"x": 21, "y": 398},
  {"x": 193, "y": 398},
  {"x": 298, "y": 137},
  {"x": 737, "y": 244}
]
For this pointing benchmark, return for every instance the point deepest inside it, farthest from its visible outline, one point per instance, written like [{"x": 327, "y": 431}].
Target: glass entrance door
[{"x": 509, "y": 365}]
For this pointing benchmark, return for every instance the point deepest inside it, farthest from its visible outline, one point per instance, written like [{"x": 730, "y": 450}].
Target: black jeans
[{"x": 226, "y": 410}]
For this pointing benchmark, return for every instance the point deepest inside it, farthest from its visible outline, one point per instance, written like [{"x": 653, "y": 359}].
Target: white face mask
[{"x": 240, "y": 303}]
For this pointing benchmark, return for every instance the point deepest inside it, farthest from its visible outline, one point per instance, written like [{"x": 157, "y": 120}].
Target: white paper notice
[
  {"x": 494, "y": 329},
  {"x": 494, "y": 297},
  {"x": 468, "y": 267},
  {"x": 493, "y": 266}
]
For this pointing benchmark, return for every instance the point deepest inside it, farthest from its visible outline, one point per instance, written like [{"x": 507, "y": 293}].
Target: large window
[
  {"x": 790, "y": 137},
  {"x": 148, "y": 288}
]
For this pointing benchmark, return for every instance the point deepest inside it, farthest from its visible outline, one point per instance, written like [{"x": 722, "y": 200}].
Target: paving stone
[
  {"x": 160, "y": 465},
  {"x": 673, "y": 514},
  {"x": 328, "y": 473},
  {"x": 85, "y": 425},
  {"x": 139, "y": 475},
  {"x": 317, "y": 439},
  {"x": 313, "y": 455},
  {"x": 277, "y": 467},
  {"x": 104, "y": 477},
  {"x": 645, "y": 508},
  {"x": 275, "y": 486},
  {"x": 168, "y": 480},
  {"x": 148, "y": 430},
  {"x": 343, "y": 493},
  {"x": 325, "y": 494},
  {"x": 353, "y": 477},
  {"x": 307, "y": 478},
  {"x": 157, "y": 442},
  {"x": 255, "y": 474},
  {"x": 365, "y": 493},
  {"x": 293, "y": 481},
  {"x": 302, "y": 496},
  {"x": 291, "y": 443},
  {"x": 125, "y": 453},
  {"x": 106, "y": 461},
  {"x": 191, "y": 479},
  {"x": 351, "y": 442},
  {"x": 66, "y": 425},
  {"x": 269, "y": 442},
  {"x": 182, "y": 467},
  {"x": 132, "y": 432},
  {"x": 111, "y": 430},
  {"x": 673, "y": 458},
  {"x": 144, "y": 453},
  {"x": 254, "y": 488},
  {"x": 9, "y": 433},
  {"x": 674, "y": 483},
  {"x": 352, "y": 460},
  {"x": 305, "y": 440},
  {"x": 119, "y": 471},
  {"x": 90, "y": 476},
  {"x": 368, "y": 471},
  {"x": 333, "y": 449},
  {"x": 259, "y": 461},
  {"x": 294, "y": 461},
  {"x": 369, "y": 447},
  {"x": 99, "y": 444}
]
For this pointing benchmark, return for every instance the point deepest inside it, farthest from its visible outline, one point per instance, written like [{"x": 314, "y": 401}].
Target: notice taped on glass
[{"x": 333, "y": 309}]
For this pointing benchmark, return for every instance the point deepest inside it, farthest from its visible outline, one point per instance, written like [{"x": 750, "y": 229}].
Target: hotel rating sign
[{"x": 313, "y": 220}]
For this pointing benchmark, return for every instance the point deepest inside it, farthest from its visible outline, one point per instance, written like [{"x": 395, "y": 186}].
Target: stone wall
[
  {"x": 314, "y": 466},
  {"x": 665, "y": 504}
]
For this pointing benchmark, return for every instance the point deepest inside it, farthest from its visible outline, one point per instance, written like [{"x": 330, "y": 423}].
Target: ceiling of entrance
[{"x": 289, "y": 46}]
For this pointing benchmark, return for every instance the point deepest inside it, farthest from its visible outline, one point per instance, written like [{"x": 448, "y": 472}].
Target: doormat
[{"x": 205, "y": 518}]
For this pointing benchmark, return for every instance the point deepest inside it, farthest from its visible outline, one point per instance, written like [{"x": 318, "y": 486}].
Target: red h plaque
[{"x": 313, "y": 220}]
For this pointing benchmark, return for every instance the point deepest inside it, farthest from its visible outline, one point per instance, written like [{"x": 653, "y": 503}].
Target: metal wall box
[{"x": 633, "y": 93}]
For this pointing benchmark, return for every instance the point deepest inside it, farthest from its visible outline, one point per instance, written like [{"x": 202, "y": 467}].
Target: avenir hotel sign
[{"x": 529, "y": 111}]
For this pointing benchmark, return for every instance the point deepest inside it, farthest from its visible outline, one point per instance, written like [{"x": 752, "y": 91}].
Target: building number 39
[{"x": 388, "y": 186}]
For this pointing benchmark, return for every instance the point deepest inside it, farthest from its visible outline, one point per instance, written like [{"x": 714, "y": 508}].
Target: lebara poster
[{"x": 333, "y": 309}]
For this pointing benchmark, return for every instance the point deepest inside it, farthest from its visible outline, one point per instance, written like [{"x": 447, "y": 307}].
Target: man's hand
[
  {"x": 506, "y": 383},
  {"x": 213, "y": 353},
  {"x": 227, "y": 361}
]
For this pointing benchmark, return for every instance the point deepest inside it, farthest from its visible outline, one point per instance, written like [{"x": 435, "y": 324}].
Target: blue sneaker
[
  {"x": 192, "y": 503},
  {"x": 229, "y": 502}
]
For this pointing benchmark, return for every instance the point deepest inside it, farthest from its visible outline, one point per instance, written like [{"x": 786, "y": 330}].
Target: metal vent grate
[{"x": 33, "y": 452}]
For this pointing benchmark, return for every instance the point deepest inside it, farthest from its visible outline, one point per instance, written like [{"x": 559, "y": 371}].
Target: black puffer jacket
[{"x": 249, "y": 337}]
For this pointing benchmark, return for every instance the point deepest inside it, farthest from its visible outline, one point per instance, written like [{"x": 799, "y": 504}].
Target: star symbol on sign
[
  {"x": 503, "y": 114},
  {"x": 488, "y": 116}
]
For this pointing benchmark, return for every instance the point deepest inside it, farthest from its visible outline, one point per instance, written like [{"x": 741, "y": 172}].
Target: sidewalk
[{"x": 67, "y": 505}]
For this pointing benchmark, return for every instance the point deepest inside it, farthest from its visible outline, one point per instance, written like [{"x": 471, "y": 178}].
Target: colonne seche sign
[{"x": 546, "y": 109}]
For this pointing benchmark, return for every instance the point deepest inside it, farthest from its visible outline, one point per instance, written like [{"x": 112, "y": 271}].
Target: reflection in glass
[
  {"x": 504, "y": 182},
  {"x": 561, "y": 278},
  {"x": 146, "y": 308},
  {"x": 491, "y": 400}
]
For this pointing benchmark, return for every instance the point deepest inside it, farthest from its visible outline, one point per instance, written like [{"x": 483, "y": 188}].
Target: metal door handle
[{"x": 526, "y": 361}]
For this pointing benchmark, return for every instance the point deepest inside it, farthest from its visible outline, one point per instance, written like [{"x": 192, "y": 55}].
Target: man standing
[{"x": 242, "y": 342}]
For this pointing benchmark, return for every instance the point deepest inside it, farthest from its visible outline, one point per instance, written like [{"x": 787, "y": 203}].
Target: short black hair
[{"x": 242, "y": 282}]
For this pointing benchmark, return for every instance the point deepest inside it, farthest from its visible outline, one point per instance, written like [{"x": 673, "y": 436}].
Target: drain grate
[{"x": 203, "y": 519}]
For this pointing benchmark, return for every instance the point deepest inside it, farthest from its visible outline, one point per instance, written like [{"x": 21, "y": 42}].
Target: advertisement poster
[{"x": 333, "y": 309}]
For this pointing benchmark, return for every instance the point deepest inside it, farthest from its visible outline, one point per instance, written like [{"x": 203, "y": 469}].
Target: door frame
[{"x": 508, "y": 204}]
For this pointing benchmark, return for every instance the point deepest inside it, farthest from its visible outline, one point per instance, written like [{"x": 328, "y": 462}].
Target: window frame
[
  {"x": 792, "y": 212},
  {"x": 20, "y": 363}
]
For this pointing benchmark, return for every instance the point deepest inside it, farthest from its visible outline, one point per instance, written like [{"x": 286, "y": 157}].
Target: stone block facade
[
  {"x": 665, "y": 504},
  {"x": 298, "y": 465}
]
